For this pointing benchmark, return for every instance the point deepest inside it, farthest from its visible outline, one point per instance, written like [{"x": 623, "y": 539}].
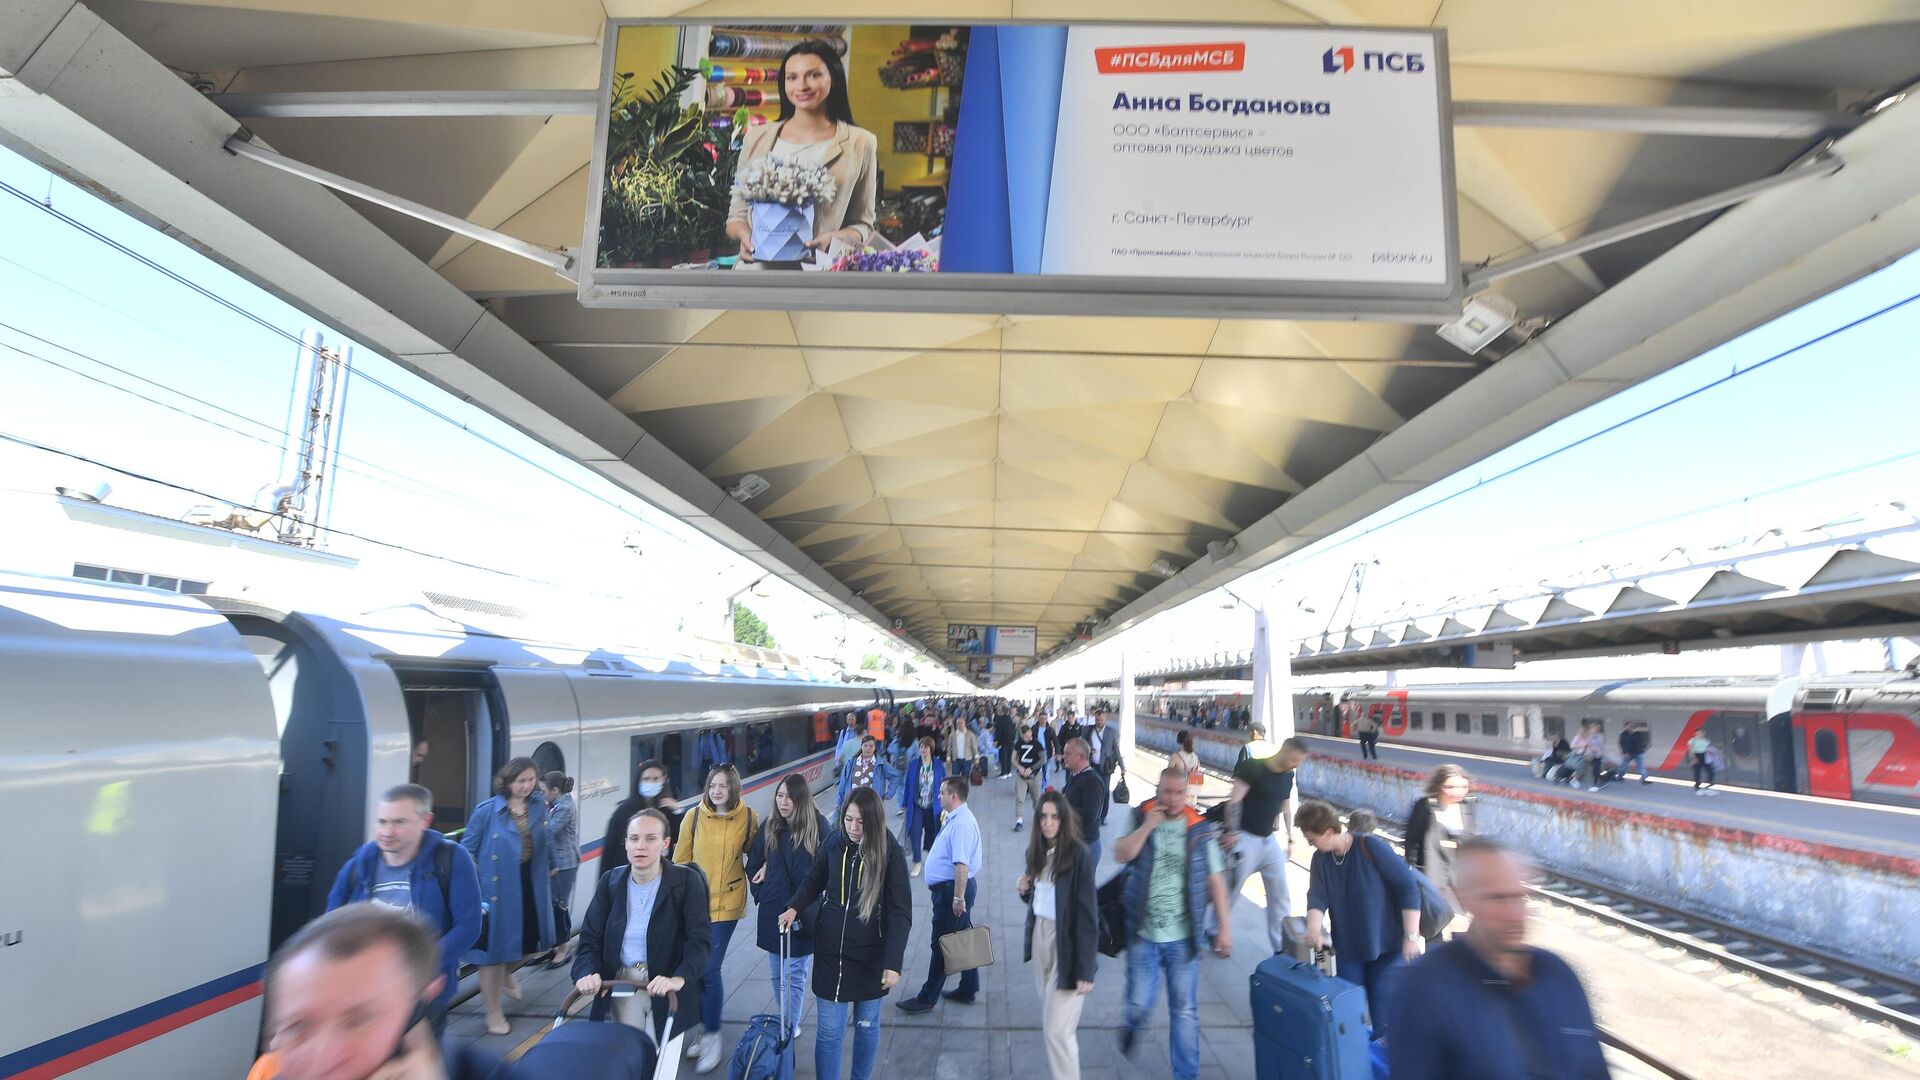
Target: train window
[
  {"x": 1742, "y": 739},
  {"x": 1555, "y": 727},
  {"x": 127, "y": 577},
  {"x": 1518, "y": 723},
  {"x": 1462, "y": 724},
  {"x": 1826, "y": 746},
  {"x": 548, "y": 758},
  {"x": 92, "y": 573},
  {"x": 1418, "y": 720},
  {"x": 1490, "y": 725},
  {"x": 155, "y": 581},
  {"x": 194, "y": 588}
]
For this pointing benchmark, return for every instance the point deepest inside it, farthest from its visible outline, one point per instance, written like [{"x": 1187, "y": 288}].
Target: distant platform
[{"x": 1856, "y": 826}]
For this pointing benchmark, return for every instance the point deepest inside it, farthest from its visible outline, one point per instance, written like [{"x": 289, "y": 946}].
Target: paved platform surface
[
  {"x": 997, "y": 1038},
  {"x": 1890, "y": 830}
]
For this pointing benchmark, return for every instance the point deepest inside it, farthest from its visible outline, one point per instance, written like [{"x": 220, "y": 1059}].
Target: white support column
[
  {"x": 1079, "y": 700},
  {"x": 1127, "y": 719},
  {"x": 1272, "y": 678}
]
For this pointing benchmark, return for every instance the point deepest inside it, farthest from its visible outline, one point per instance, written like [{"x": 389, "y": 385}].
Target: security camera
[{"x": 749, "y": 486}]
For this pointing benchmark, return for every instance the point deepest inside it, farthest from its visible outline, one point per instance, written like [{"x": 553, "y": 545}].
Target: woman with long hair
[
  {"x": 860, "y": 934},
  {"x": 1374, "y": 899},
  {"x": 816, "y": 128},
  {"x": 512, "y": 847},
  {"x": 921, "y": 800},
  {"x": 715, "y": 836},
  {"x": 783, "y": 853},
  {"x": 1440, "y": 819},
  {"x": 563, "y": 818},
  {"x": 652, "y": 790},
  {"x": 1063, "y": 925},
  {"x": 1186, "y": 757}
]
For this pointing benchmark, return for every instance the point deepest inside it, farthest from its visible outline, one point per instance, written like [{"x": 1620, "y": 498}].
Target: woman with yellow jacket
[
  {"x": 816, "y": 128},
  {"x": 715, "y": 836}
]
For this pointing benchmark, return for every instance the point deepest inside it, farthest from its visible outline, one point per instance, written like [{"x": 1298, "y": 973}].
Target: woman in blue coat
[
  {"x": 920, "y": 798},
  {"x": 512, "y": 847},
  {"x": 780, "y": 859}
]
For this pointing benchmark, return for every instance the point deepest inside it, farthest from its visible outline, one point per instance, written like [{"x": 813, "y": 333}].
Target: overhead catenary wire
[{"x": 294, "y": 339}]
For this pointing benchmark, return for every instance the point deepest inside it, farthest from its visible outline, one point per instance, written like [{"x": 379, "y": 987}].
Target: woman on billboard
[{"x": 815, "y": 128}]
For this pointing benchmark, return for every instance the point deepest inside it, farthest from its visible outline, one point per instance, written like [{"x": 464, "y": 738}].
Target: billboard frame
[{"x": 1022, "y": 294}]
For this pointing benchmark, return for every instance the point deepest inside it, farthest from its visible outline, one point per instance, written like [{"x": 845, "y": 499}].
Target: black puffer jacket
[{"x": 849, "y": 954}]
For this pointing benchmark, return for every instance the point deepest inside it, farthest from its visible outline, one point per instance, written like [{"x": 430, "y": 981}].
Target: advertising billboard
[
  {"x": 970, "y": 639},
  {"x": 1029, "y": 168}
]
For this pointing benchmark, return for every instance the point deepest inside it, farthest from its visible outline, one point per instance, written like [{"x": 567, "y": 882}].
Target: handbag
[
  {"x": 965, "y": 950},
  {"x": 979, "y": 774},
  {"x": 1120, "y": 793},
  {"x": 1111, "y": 902}
]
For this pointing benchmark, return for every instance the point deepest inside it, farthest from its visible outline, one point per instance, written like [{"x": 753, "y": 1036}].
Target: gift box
[{"x": 780, "y": 232}]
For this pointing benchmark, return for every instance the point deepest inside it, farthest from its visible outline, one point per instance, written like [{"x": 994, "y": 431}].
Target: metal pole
[
  {"x": 559, "y": 261},
  {"x": 1701, "y": 121},
  {"x": 1823, "y": 165},
  {"x": 432, "y": 103}
]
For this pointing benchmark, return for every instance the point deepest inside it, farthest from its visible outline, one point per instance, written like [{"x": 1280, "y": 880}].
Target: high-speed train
[
  {"x": 1840, "y": 737},
  {"x": 181, "y": 777}
]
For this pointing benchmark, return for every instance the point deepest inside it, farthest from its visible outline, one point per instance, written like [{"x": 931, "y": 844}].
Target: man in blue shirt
[
  {"x": 409, "y": 866},
  {"x": 1487, "y": 1006},
  {"x": 953, "y": 865}
]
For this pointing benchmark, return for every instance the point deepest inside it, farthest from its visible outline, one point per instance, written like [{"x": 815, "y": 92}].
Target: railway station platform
[
  {"x": 1853, "y": 826},
  {"x": 998, "y": 1038}
]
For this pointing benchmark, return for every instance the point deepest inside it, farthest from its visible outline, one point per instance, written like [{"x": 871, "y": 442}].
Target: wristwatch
[{"x": 1413, "y": 937}]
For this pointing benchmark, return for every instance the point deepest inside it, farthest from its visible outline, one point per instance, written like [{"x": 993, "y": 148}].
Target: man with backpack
[{"x": 409, "y": 866}]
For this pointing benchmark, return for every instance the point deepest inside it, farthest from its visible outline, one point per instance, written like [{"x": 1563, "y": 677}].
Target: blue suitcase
[{"x": 1308, "y": 1025}]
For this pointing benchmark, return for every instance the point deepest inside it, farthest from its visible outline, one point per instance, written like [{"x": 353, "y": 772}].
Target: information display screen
[
  {"x": 967, "y": 639},
  {"x": 1023, "y": 168}
]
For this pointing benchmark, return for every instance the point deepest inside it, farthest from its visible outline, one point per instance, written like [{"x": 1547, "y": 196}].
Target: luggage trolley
[{"x": 605, "y": 1049}]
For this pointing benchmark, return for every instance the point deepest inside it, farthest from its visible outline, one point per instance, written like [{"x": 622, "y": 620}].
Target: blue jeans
[
  {"x": 832, "y": 1029},
  {"x": 1145, "y": 962},
  {"x": 945, "y": 922},
  {"x": 796, "y": 980},
  {"x": 1093, "y": 856},
  {"x": 713, "y": 993},
  {"x": 1627, "y": 764},
  {"x": 1380, "y": 978}
]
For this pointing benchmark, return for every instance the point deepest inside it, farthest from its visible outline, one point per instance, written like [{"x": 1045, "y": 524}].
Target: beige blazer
[{"x": 853, "y": 161}]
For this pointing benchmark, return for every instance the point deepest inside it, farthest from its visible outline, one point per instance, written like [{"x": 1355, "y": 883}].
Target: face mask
[{"x": 650, "y": 788}]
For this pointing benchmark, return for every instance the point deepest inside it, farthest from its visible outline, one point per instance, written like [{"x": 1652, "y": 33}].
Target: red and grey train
[{"x": 1851, "y": 737}]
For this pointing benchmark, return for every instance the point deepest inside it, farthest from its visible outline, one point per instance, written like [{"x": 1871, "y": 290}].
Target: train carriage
[{"x": 187, "y": 774}]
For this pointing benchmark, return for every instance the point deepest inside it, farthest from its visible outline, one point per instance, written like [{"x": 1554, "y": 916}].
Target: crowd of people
[{"x": 836, "y": 905}]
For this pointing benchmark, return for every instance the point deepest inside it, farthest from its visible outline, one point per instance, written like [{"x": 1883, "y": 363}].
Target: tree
[
  {"x": 875, "y": 662},
  {"x": 749, "y": 629}
]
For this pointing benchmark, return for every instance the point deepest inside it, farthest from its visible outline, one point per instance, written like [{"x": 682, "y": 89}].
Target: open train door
[{"x": 1823, "y": 747}]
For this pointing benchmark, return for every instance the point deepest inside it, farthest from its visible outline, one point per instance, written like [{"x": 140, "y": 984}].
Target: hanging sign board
[{"x": 1104, "y": 169}]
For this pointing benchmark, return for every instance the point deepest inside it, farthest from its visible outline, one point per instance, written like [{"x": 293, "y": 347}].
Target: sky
[
  {"x": 108, "y": 357},
  {"x": 1802, "y": 421}
]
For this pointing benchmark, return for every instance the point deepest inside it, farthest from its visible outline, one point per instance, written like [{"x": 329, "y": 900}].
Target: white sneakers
[
  {"x": 695, "y": 1044},
  {"x": 709, "y": 1053}
]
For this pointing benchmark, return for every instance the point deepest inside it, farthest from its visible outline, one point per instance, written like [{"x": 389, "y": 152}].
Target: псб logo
[{"x": 1342, "y": 60}]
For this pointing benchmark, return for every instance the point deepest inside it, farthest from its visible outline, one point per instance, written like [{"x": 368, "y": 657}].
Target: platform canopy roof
[{"x": 985, "y": 468}]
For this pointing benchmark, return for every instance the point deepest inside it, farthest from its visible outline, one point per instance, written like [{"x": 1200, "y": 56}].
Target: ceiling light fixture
[
  {"x": 1484, "y": 318},
  {"x": 1163, "y": 568},
  {"x": 1218, "y": 550},
  {"x": 748, "y": 486}
]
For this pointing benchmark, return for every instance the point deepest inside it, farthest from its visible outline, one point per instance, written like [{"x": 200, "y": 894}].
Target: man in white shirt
[{"x": 953, "y": 865}]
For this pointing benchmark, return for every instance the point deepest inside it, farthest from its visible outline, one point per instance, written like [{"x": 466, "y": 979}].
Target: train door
[
  {"x": 673, "y": 754},
  {"x": 1742, "y": 749},
  {"x": 640, "y": 748},
  {"x": 1823, "y": 746},
  {"x": 460, "y": 717}
]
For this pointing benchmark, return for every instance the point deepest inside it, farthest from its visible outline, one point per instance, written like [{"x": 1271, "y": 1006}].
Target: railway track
[{"x": 1863, "y": 992}]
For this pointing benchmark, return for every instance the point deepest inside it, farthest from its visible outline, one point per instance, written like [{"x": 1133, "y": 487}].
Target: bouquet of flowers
[
  {"x": 780, "y": 197},
  {"x": 898, "y": 260}
]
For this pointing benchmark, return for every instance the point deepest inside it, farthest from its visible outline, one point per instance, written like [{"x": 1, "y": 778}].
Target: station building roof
[{"x": 988, "y": 468}]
